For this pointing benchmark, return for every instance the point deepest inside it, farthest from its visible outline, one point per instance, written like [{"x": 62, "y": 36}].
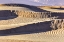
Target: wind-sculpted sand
[
  {"x": 24, "y": 23},
  {"x": 19, "y": 21}
]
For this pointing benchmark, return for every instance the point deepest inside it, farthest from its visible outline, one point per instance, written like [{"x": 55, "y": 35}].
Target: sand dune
[{"x": 25, "y": 26}]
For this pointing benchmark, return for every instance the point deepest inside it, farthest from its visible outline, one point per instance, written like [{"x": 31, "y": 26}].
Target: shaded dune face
[
  {"x": 27, "y": 29},
  {"x": 7, "y": 14},
  {"x": 59, "y": 15}
]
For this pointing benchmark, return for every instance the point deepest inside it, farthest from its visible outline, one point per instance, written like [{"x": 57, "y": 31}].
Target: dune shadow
[
  {"x": 27, "y": 29},
  {"x": 60, "y": 15},
  {"x": 7, "y": 14}
]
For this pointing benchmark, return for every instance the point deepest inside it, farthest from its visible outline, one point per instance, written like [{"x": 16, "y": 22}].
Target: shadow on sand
[
  {"x": 27, "y": 29},
  {"x": 7, "y": 14},
  {"x": 60, "y": 15}
]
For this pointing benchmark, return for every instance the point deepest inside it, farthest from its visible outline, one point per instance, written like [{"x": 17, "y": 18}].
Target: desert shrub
[{"x": 57, "y": 24}]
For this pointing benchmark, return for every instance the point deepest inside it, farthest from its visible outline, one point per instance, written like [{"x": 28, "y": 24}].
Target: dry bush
[
  {"x": 57, "y": 24},
  {"x": 33, "y": 14}
]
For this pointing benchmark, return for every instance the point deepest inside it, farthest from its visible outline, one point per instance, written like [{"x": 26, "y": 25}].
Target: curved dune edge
[
  {"x": 51, "y": 10},
  {"x": 10, "y": 26},
  {"x": 50, "y": 36}
]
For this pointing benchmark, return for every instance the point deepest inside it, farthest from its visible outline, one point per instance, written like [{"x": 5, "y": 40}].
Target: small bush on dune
[{"x": 57, "y": 24}]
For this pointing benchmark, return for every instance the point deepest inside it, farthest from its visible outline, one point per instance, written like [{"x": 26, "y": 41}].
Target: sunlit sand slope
[{"x": 51, "y": 8}]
